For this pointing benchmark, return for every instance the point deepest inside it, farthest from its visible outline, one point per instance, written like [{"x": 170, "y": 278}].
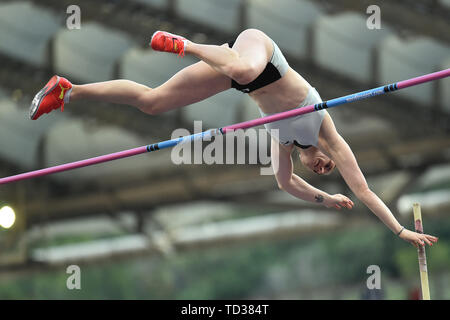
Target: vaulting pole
[
  {"x": 418, "y": 226},
  {"x": 243, "y": 125}
]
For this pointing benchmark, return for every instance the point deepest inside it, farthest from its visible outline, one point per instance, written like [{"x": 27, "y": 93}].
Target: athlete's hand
[
  {"x": 338, "y": 201},
  {"x": 417, "y": 239}
]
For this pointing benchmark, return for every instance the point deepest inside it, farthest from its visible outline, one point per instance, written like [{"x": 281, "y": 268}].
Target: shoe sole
[
  {"x": 39, "y": 97},
  {"x": 154, "y": 35}
]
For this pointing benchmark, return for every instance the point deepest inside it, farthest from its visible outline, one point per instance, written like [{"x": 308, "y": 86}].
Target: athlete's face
[{"x": 318, "y": 163}]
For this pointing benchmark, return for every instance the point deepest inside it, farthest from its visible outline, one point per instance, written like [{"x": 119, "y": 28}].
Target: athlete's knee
[
  {"x": 150, "y": 109},
  {"x": 148, "y": 102},
  {"x": 251, "y": 32}
]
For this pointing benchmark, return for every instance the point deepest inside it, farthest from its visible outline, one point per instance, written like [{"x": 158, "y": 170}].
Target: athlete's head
[{"x": 316, "y": 160}]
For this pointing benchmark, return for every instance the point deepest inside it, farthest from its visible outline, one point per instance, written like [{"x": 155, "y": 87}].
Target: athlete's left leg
[{"x": 243, "y": 63}]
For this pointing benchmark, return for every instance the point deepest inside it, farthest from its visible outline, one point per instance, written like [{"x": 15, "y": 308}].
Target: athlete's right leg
[{"x": 192, "y": 84}]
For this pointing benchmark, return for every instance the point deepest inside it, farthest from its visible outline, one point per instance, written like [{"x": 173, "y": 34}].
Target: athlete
[{"x": 252, "y": 64}]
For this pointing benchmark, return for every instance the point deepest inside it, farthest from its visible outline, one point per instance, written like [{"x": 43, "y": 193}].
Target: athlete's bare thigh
[
  {"x": 200, "y": 81},
  {"x": 254, "y": 47},
  {"x": 192, "y": 84}
]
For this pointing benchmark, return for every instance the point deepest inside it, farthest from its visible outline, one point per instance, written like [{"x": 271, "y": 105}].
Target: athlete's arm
[
  {"x": 346, "y": 163},
  {"x": 296, "y": 186}
]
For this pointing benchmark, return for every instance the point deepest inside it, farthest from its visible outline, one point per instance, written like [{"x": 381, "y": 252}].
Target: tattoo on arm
[{"x": 319, "y": 198}]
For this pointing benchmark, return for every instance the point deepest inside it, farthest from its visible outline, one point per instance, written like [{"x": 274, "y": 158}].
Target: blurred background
[{"x": 144, "y": 228}]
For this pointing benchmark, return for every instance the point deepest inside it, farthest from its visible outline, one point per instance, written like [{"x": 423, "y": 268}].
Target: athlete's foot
[
  {"x": 50, "y": 97},
  {"x": 168, "y": 42}
]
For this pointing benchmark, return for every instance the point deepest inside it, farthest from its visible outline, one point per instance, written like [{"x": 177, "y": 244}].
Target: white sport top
[{"x": 301, "y": 130}]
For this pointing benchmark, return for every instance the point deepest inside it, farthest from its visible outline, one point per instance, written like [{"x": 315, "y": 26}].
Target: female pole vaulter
[{"x": 252, "y": 64}]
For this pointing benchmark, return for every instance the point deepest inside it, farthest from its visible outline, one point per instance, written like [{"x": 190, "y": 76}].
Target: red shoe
[
  {"x": 50, "y": 97},
  {"x": 168, "y": 42}
]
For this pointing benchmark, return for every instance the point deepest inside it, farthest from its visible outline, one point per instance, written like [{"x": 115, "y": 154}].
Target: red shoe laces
[
  {"x": 181, "y": 53},
  {"x": 176, "y": 44}
]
